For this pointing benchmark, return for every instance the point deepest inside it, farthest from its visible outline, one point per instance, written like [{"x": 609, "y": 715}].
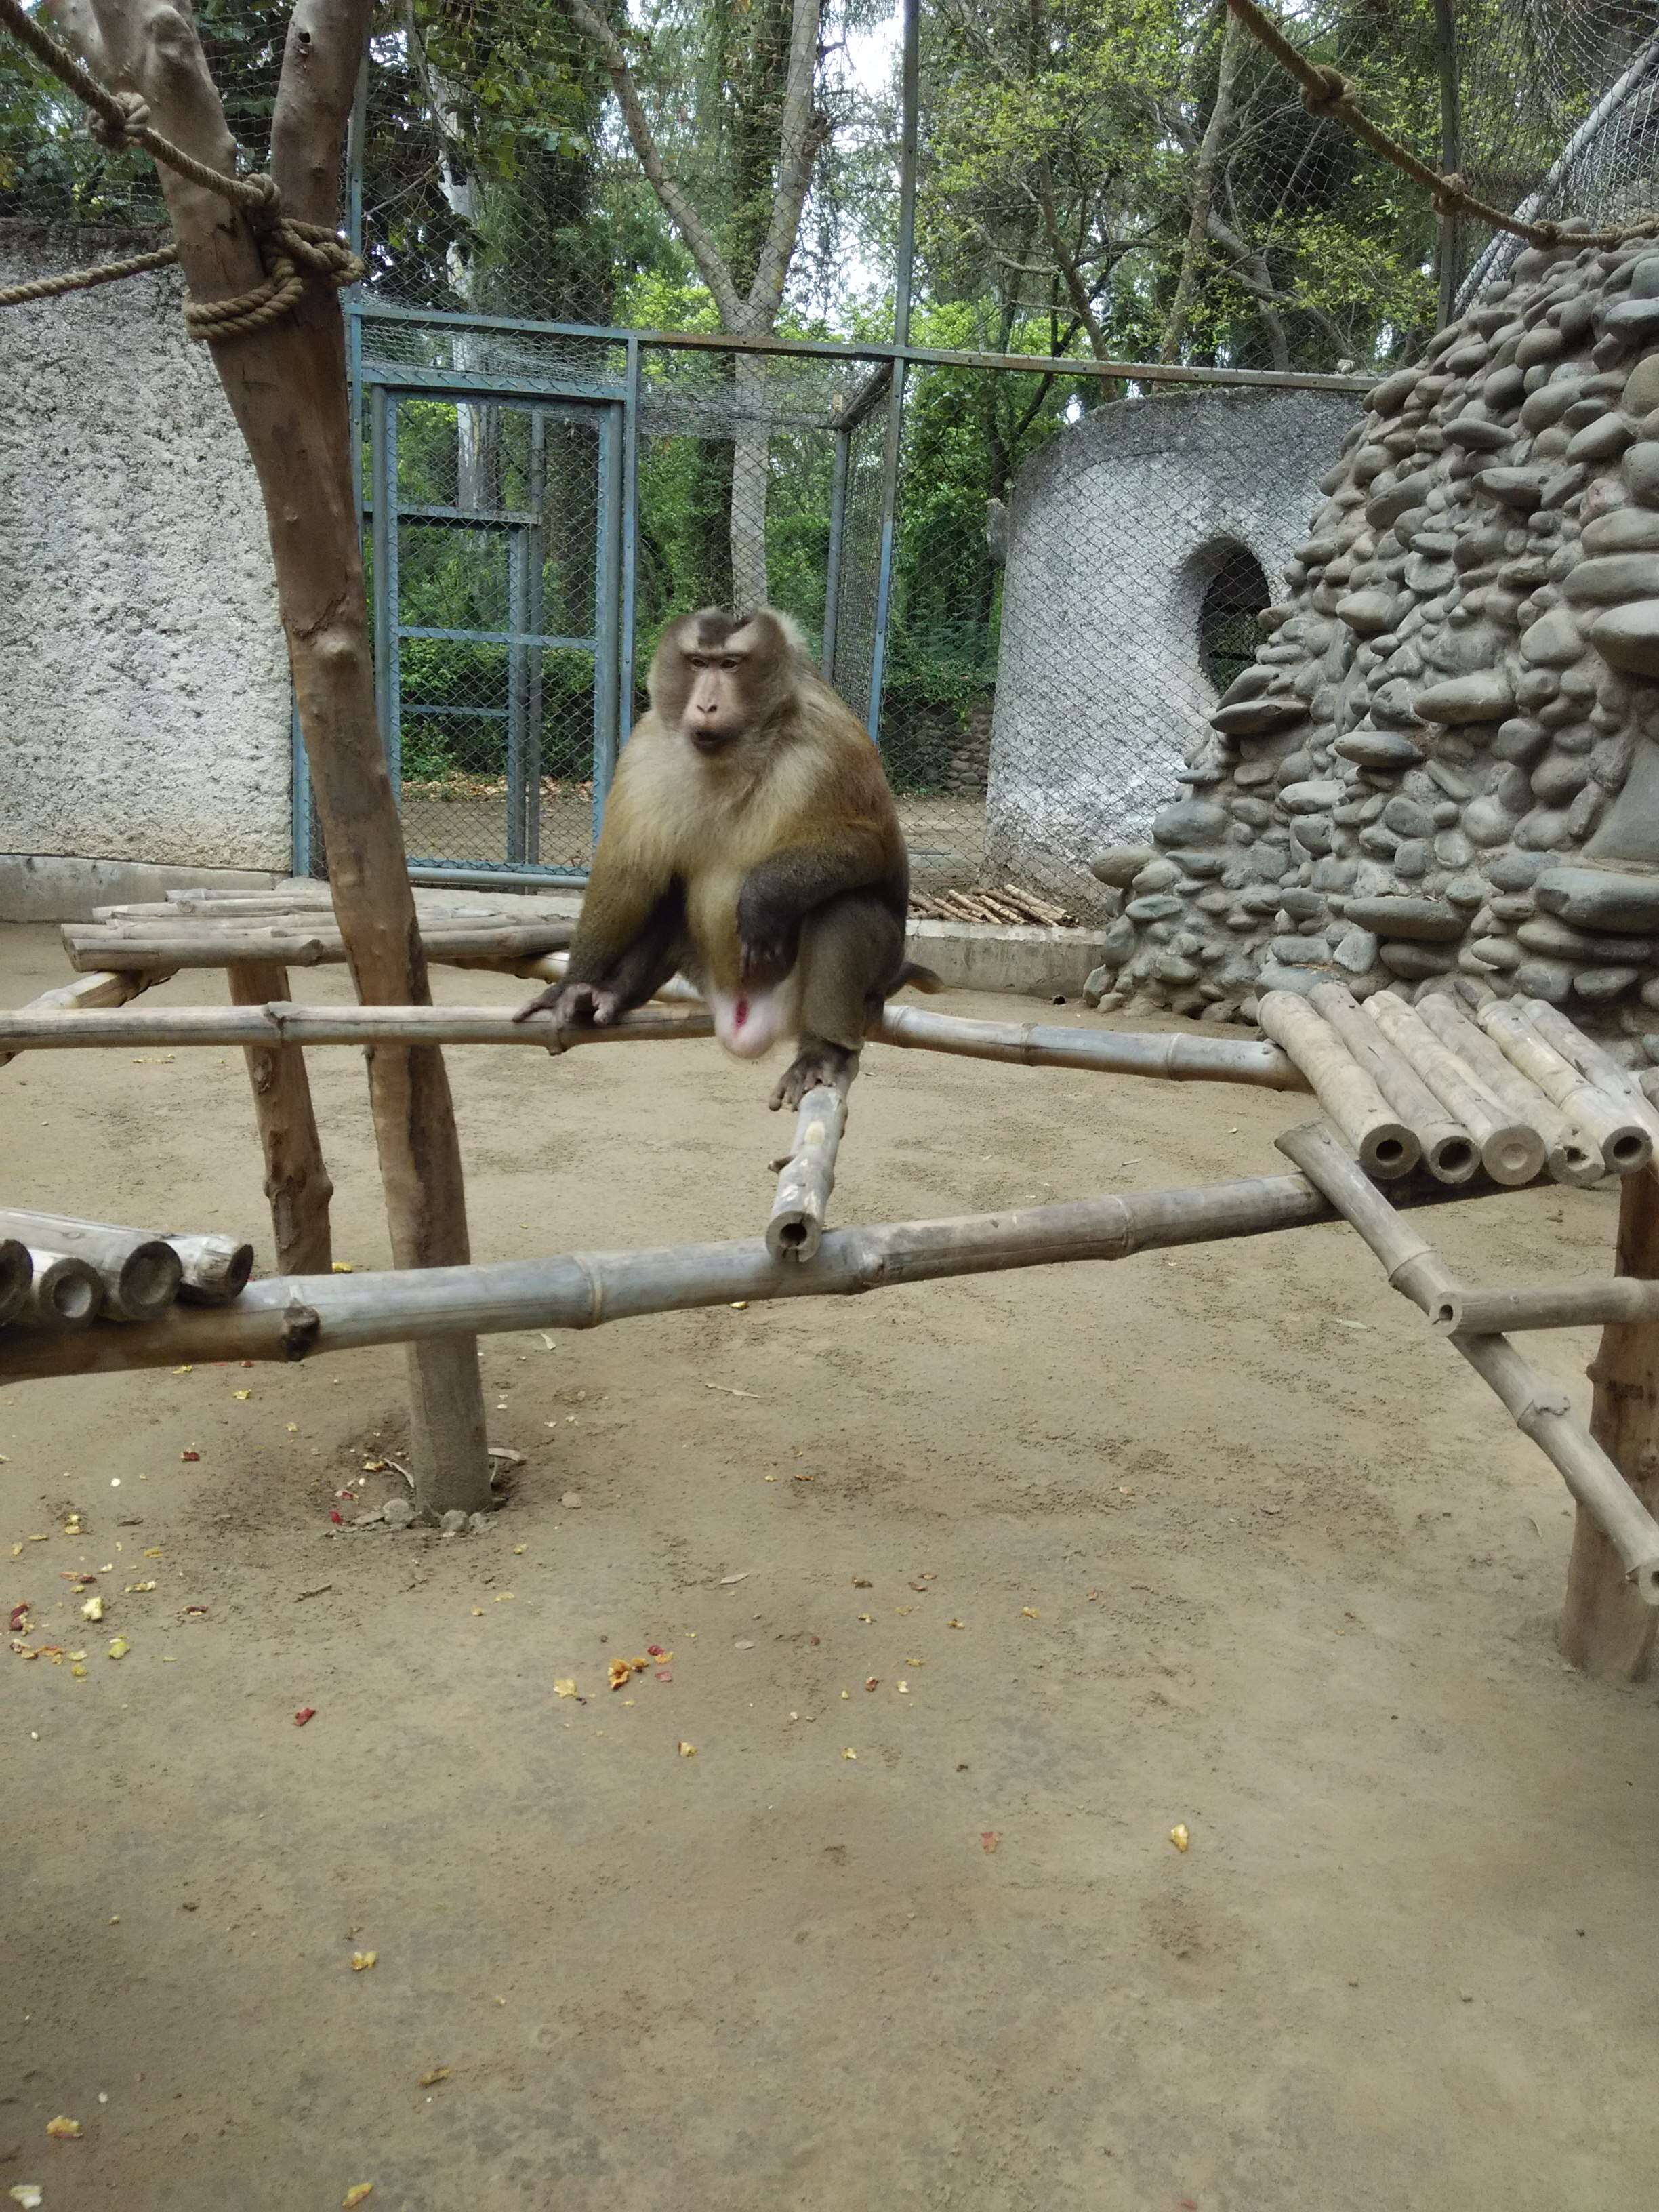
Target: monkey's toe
[{"x": 829, "y": 1065}]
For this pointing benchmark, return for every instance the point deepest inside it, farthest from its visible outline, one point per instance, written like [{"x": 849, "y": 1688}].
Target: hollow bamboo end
[
  {"x": 1513, "y": 1156},
  {"x": 1453, "y": 1159},
  {"x": 1645, "y": 1579},
  {"x": 793, "y": 1236},
  {"x": 149, "y": 1281},
  {"x": 1389, "y": 1150},
  {"x": 16, "y": 1271},
  {"x": 1573, "y": 1160},
  {"x": 1627, "y": 1149}
]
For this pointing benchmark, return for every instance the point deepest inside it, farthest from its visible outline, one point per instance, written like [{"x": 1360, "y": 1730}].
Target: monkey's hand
[{"x": 575, "y": 1002}]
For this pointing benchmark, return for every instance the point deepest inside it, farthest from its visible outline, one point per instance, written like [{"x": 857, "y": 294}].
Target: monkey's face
[{"x": 721, "y": 679}]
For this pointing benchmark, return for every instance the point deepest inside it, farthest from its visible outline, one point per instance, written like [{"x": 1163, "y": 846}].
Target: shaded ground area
[{"x": 1221, "y": 1538}]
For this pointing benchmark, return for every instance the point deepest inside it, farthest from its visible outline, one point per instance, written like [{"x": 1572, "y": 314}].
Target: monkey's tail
[{"x": 920, "y": 978}]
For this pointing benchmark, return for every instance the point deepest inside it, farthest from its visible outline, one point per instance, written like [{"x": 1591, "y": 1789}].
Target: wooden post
[
  {"x": 287, "y": 388},
  {"x": 296, "y": 1181},
  {"x": 1605, "y": 1627}
]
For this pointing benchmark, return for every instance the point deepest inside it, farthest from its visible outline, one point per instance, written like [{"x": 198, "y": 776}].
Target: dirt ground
[{"x": 1067, "y": 1558}]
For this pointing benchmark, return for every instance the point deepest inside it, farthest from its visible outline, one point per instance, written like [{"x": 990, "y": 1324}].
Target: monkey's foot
[
  {"x": 818, "y": 1061},
  {"x": 575, "y": 1002}
]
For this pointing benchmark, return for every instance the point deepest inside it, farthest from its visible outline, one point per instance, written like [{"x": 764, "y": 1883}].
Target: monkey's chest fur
[{"x": 720, "y": 821}]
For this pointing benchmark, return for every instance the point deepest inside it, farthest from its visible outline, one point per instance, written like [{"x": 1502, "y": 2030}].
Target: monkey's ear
[{"x": 791, "y": 643}]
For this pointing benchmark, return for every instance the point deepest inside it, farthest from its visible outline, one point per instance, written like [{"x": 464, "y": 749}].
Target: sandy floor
[{"x": 1222, "y": 1538}]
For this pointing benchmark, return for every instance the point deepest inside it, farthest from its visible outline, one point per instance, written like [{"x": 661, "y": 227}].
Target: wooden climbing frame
[{"x": 1437, "y": 1102}]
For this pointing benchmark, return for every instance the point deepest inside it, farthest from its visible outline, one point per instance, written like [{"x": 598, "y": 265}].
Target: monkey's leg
[{"x": 852, "y": 949}]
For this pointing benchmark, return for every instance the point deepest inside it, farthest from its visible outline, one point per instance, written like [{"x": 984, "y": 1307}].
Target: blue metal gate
[{"x": 492, "y": 532}]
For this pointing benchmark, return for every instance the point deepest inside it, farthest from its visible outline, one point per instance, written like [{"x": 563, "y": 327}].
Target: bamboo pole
[
  {"x": 1472, "y": 1311},
  {"x": 1449, "y": 1151},
  {"x": 1176, "y": 1058},
  {"x": 294, "y": 1317},
  {"x": 1538, "y": 1408},
  {"x": 216, "y": 1268},
  {"x": 1602, "y": 1628},
  {"x": 297, "y": 1184},
  {"x": 16, "y": 1273},
  {"x": 62, "y": 1293},
  {"x": 1596, "y": 1065},
  {"x": 1384, "y": 1143},
  {"x": 1568, "y": 1153},
  {"x": 795, "y": 1230},
  {"x": 138, "y": 1275},
  {"x": 86, "y": 992},
  {"x": 1510, "y": 1152},
  {"x": 1613, "y": 1128},
  {"x": 372, "y": 1025},
  {"x": 1413, "y": 1266},
  {"x": 137, "y": 948}
]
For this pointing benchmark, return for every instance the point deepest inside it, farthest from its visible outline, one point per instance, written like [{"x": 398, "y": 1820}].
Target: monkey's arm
[
  {"x": 627, "y": 945},
  {"x": 779, "y": 894}
]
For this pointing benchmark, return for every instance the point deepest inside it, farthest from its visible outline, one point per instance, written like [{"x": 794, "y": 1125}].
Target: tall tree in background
[{"x": 776, "y": 133}]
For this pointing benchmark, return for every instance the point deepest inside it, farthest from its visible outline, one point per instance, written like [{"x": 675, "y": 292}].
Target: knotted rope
[
  {"x": 1328, "y": 94},
  {"x": 293, "y": 254}
]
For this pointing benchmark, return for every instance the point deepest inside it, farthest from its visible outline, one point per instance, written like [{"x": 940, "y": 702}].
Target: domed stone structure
[
  {"x": 1141, "y": 543},
  {"x": 1444, "y": 756}
]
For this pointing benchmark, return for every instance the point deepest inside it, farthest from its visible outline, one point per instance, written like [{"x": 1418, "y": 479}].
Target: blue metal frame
[{"x": 610, "y": 418}]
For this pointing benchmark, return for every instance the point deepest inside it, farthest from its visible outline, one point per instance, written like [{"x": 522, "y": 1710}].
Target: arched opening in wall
[{"x": 1232, "y": 598}]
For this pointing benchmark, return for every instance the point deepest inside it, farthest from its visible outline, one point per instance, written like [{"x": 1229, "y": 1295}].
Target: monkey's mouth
[{"x": 711, "y": 741}]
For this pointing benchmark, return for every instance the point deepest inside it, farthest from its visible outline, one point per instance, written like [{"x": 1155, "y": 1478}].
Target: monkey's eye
[{"x": 728, "y": 665}]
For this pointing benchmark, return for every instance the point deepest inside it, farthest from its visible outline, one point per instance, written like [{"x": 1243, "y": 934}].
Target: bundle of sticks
[
  {"x": 59, "y": 1273},
  {"x": 1010, "y": 904},
  {"x": 1507, "y": 1085}
]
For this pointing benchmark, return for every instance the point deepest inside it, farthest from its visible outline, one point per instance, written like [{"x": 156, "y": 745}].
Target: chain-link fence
[{"x": 1032, "y": 580}]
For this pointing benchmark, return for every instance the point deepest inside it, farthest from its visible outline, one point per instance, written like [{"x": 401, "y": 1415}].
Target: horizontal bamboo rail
[
  {"x": 140, "y": 1274},
  {"x": 1476, "y": 1311},
  {"x": 1611, "y": 1124},
  {"x": 1510, "y": 1151},
  {"x": 86, "y": 992},
  {"x": 1448, "y": 1149},
  {"x": 1384, "y": 1143},
  {"x": 1032, "y": 1044},
  {"x": 1540, "y": 1409},
  {"x": 140, "y": 947},
  {"x": 292, "y": 1318},
  {"x": 1572, "y": 1158}
]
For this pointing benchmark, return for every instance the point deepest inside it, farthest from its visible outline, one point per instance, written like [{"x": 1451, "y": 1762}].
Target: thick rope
[
  {"x": 294, "y": 254},
  {"x": 1328, "y": 94},
  {"x": 83, "y": 280}
]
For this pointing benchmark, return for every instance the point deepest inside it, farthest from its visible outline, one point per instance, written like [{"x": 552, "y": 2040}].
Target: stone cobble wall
[{"x": 1446, "y": 756}]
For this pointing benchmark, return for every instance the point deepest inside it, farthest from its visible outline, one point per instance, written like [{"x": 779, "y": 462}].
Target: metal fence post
[{"x": 902, "y": 276}]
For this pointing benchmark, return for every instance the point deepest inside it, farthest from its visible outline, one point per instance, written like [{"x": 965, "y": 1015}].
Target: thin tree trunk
[
  {"x": 287, "y": 388},
  {"x": 296, "y": 1181},
  {"x": 1204, "y": 172},
  {"x": 751, "y": 453}
]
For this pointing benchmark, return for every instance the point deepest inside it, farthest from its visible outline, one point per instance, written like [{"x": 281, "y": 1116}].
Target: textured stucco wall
[
  {"x": 145, "y": 697},
  {"x": 1117, "y": 525}
]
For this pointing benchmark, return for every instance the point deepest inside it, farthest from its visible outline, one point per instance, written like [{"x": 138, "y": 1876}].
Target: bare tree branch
[
  {"x": 325, "y": 48},
  {"x": 1209, "y": 153},
  {"x": 699, "y": 243},
  {"x": 802, "y": 135}
]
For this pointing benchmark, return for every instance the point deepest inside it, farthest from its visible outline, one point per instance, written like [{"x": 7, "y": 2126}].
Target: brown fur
[{"x": 749, "y": 827}]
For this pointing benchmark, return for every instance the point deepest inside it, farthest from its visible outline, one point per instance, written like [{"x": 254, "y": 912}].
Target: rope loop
[
  {"x": 124, "y": 131},
  {"x": 262, "y": 202}
]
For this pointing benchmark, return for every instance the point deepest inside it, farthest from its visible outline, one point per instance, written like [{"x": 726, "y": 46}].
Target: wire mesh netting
[{"x": 1031, "y": 610}]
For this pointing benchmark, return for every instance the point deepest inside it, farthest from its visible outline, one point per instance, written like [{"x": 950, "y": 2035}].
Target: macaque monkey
[{"x": 751, "y": 842}]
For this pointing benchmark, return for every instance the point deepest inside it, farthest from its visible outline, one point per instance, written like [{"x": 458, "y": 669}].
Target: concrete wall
[
  {"x": 1117, "y": 526},
  {"x": 144, "y": 700}
]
